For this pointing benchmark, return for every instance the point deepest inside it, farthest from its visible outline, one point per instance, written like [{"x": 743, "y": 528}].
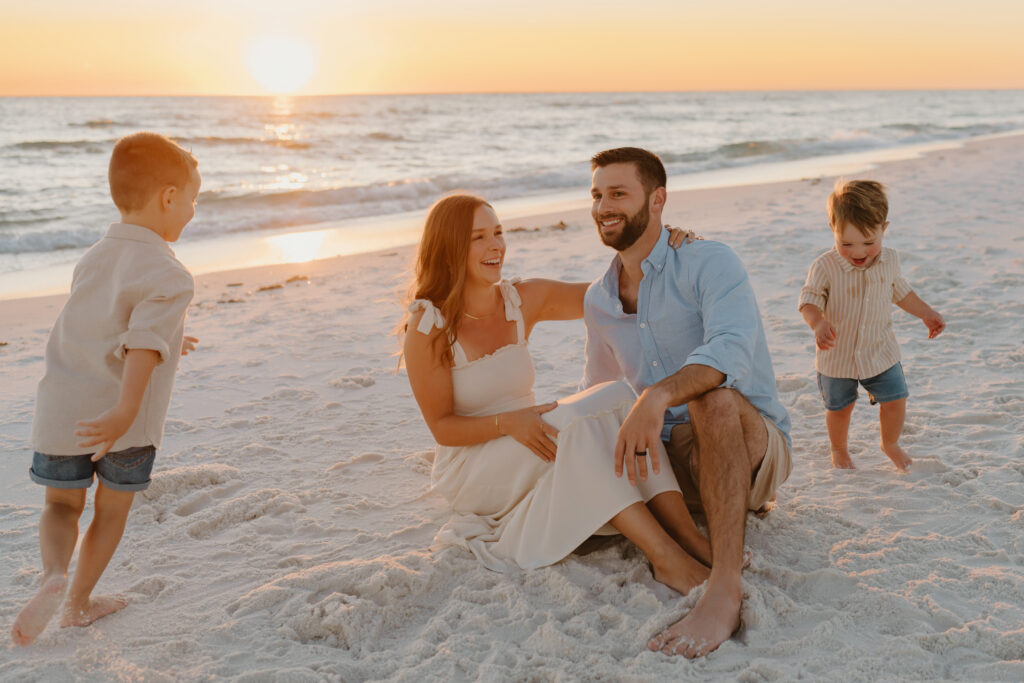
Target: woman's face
[{"x": 486, "y": 248}]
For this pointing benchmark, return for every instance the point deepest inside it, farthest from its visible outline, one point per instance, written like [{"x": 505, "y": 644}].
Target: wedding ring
[{"x": 640, "y": 454}]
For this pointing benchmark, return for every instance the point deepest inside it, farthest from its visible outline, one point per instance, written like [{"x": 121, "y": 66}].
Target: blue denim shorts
[
  {"x": 838, "y": 393},
  {"x": 126, "y": 470}
]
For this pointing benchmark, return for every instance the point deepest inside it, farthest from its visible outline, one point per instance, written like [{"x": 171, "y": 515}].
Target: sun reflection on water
[{"x": 298, "y": 247}]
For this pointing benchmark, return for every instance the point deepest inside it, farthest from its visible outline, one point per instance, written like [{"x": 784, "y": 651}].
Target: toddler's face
[{"x": 859, "y": 249}]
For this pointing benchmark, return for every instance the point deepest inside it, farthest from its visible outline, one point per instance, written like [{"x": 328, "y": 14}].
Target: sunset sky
[{"x": 113, "y": 47}]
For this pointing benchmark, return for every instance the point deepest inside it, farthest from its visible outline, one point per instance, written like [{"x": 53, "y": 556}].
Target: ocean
[{"x": 272, "y": 165}]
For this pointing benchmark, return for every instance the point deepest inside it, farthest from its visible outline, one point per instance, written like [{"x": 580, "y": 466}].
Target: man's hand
[
  {"x": 188, "y": 344},
  {"x": 934, "y": 322},
  {"x": 104, "y": 430},
  {"x": 641, "y": 433},
  {"x": 825, "y": 335}
]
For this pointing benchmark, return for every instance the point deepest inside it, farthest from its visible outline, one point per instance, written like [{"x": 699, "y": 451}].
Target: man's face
[{"x": 621, "y": 207}]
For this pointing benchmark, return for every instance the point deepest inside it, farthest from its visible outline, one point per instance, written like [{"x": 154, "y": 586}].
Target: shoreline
[{"x": 321, "y": 241}]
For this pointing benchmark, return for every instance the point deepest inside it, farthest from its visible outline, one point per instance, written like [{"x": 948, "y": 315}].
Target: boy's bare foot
[
  {"x": 98, "y": 607},
  {"x": 841, "y": 459},
  {"x": 34, "y": 616},
  {"x": 898, "y": 456},
  {"x": 712, "y": 622}
]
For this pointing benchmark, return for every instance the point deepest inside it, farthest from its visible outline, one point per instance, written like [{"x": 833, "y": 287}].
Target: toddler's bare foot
[
  {"x": 98, "y": 607},
  {"x": 34, "y": 616},
  {"x": 841, "y": 459},
  {"x": 712, "y": 622},
  {"x": 898, "y": 456}
]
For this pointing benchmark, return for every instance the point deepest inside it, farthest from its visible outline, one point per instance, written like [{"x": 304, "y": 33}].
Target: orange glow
[{"x": 117, "y": 47}]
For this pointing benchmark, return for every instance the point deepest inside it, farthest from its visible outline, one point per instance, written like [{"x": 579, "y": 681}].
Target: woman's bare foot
[
  {"x": 712, "y": 622},
  {"x": 679, "y": 571},
  {"x": 898, "y": 456},
  {"x": 98, "y": 607},
  {"x": 841, "y": 459},
  {"x": 34, "y": 616}
]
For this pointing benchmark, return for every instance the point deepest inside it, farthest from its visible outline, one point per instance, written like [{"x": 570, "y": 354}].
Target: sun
[{"x": 281, "y": 64}]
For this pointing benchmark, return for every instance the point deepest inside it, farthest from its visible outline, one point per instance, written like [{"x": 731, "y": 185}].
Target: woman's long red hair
[{"x": 440, "y": 273}]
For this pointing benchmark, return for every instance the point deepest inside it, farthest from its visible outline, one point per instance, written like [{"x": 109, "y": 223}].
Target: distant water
[{"x": 272, "y": 163}]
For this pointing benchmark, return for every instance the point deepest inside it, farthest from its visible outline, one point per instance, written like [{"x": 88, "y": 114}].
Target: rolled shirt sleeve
[
  {"x": 155, "y": 322},
  {"x": 730, "y": 314},
  {"x": 900, "y": 286},
  {"x": 816, "y": 289}
]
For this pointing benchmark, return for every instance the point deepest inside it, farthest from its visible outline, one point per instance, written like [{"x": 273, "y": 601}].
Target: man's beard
[{"x": 632, "y": 228}]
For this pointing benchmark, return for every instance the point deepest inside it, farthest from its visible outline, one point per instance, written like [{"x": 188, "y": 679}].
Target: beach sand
[{"x": 287, "y": 532}]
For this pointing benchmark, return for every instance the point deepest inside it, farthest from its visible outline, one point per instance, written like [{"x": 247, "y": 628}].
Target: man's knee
[{"x": 715, "y": 404}]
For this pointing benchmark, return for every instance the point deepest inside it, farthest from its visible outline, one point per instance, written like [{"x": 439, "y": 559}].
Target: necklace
[{"x": 478, "y": 317}]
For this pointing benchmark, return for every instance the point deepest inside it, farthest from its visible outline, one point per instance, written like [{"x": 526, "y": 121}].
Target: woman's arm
[{"x": 430, "y": 377}]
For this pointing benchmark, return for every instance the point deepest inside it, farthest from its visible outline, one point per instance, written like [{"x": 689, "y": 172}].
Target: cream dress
[{"x": 510, "y": 507}]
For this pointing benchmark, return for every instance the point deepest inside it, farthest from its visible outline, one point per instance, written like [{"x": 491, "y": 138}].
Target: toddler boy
[
  {"x": 110, "y": 363},
  {"x": 847, "y": 302}
]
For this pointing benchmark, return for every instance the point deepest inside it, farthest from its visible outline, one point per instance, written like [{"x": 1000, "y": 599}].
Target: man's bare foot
[
  {"x": 679, "y": 571},
  {"x": 98, "y": 607},
  {"x": 34, "y": 616},
  {"x": 841, "y": 459},
  {"x": 712, "y": 622},
  {"x": 898, "y": 456}
]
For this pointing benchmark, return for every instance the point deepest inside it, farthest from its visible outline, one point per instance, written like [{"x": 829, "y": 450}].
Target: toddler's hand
[
  {"x": 104, "y": 430},
  {"x": 188, "y": 344},
  {"x": 935, "y": 324},
  {"x": 825, "y": 335}
]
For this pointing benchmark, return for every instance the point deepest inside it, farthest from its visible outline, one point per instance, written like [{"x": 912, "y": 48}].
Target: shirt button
[
  {"x": 654, "y": 363},
  {"x": 643, "y": 324}
]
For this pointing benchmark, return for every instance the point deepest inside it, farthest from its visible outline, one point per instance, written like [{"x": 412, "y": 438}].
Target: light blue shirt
[{"x": 695, "y": 307}]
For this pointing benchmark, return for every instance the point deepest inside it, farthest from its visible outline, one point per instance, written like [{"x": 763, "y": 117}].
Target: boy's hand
[
  {"x": 825, "y": 335},
  {"x": 934, "y": 322},
  {"x": 104, "y": 430},
  {"x": 188, "y": 344}
]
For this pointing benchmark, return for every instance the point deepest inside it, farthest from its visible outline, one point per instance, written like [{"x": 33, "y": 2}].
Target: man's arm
[{"x": 731, "y": 320}]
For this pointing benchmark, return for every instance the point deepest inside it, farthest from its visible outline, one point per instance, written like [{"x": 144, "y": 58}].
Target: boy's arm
[
  {"x": 112, "y": 424},
  {"x": 913, "y": 305},
  {"x": 825, "y": 334}
]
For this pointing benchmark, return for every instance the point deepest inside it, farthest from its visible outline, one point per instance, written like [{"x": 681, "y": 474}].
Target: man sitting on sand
[{"x": 683, "y": 327}]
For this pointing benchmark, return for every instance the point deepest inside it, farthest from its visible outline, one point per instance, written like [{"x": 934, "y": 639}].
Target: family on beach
[{"x": 677, "y": 412}]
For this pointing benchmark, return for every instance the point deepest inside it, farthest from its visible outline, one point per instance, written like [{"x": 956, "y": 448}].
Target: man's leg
[
  {"x": 98, "y": 546},
  {"x": 731, "y": 442},
  {"x": 58, "y": 533}
]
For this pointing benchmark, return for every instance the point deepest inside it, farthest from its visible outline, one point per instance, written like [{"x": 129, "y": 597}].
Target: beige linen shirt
[
  {"x": 128, "y": 292},
  {"x": 858, "y": 303}
]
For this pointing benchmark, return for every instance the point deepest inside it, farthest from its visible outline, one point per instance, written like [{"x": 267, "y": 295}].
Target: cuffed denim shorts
[
  {"x": 126, "y": 470},
  {"x": 837, "y": 393}
]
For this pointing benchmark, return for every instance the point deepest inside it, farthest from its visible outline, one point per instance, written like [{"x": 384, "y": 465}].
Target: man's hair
[
  {"x": 861, "y": 203},
  {"x": 142, "y": 164},
  {"x": 648, "y": 166}
]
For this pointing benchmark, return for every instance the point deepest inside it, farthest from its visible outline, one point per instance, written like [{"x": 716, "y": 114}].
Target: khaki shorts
[{"x": 774, "y": 469}]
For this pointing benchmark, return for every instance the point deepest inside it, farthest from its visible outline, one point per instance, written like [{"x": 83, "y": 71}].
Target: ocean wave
[
  {"x": 57, "y": 145},
  {"x": 100, "y": 123},
  {"x": 48, "y": 240},
  {"x": 241, "y": 141},
  {"x": 753, "y": 148},
  {"x": 385, "y": 137}
]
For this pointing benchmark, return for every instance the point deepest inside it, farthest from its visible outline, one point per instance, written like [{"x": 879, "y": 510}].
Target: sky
[{"x": 229, "y": 47}]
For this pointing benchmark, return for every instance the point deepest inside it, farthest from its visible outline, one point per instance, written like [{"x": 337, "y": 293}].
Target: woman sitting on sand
[{"x": 520, "y": 499}]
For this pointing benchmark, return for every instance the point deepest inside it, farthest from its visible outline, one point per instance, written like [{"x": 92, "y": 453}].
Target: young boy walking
[
  {"x": 110, "y": 364},
  {"x": 847, "y": 301}
]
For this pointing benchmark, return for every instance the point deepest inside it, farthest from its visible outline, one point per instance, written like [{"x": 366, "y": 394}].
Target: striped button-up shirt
[
  {"x": 858, "y": 303},
  {"x": 695, "y": 306}
]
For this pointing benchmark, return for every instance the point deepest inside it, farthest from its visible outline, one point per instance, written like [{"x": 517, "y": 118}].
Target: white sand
[{"x": 286, "y": 534}]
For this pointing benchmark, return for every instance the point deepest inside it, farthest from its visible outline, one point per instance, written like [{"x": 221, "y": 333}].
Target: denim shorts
[
  {"x": 838, "y": 393},
  {"x": 126, "y": 470}
]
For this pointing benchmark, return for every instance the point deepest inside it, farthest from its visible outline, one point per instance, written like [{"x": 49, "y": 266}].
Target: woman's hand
[
  {"x": 526, "y": 427},
  {"x": 677, "y": 237}
]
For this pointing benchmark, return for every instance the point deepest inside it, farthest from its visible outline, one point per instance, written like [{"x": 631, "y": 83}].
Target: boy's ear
[
  {"x": 167, "y": 196},
  {"x": 884, "y": 226}
]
